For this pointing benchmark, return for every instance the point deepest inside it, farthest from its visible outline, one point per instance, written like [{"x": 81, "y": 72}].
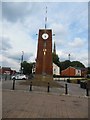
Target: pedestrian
[{"x": 5, "y": 77}]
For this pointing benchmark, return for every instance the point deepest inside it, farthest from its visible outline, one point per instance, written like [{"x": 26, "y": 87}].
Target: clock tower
[{"x": 44, "y": 68}]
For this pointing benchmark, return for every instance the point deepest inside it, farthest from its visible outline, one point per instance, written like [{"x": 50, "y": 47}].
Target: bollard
[
  {"x": 13, "y": 84},
  {"x": 87, "y": 92},
  {"x": 66, "y": 90},
  {"x": 5, "y": 77},
  {"x": 31, "y": 86},
  {"x": 48, "y": 87}
]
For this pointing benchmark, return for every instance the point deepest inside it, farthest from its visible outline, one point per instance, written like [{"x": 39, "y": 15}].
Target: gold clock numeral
[{"x": 44, "y": 50}]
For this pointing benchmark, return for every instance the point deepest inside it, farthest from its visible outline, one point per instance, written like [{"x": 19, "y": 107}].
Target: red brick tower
[
  {"x": 44, "y": 68},
  {"x": 44, "y": 52}
]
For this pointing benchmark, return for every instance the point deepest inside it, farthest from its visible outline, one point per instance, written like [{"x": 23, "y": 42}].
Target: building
[
  {"x": 56, "y": 69},
  {"x": 7, "y": 70},
  {"x": 84, "y": 72},
  {"x": 71, "y": 71},
  {"x": 44, "y": 53},
  {"x": 54, "y": 49},
  {"x": 34, "y": 68},
  {"x": 44, "y": 69}
]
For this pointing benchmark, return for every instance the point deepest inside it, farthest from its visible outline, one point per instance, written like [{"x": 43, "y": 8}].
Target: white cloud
[
  {"x": 5, "y": 44},
  {"x": 15, "y": 10},
  {"x": 59, "y": 29},
  {"x": 61, "y": 33},
  {"x": 46, "y": 0},
  {"x": 20, "y": 39},
  {"x": 81, "y": 56},
  {"x": 7, "y": 62},
  {"x": 77, "y": 42},
  {"x": 21, "y": 22}
]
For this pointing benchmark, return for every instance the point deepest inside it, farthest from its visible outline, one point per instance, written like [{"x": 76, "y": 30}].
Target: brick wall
[
  {"x": 68, "y": 72},
  {"x": 44, "y": 63}
]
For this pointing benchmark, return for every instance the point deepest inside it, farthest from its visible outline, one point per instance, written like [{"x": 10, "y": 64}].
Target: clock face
[{"x": 45, "y": 36}]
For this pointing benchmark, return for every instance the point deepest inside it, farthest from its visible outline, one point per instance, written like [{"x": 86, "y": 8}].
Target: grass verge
[{"x": 41, "y": 83}]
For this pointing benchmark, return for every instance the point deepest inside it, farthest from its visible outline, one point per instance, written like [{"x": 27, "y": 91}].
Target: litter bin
[
  {"x": 88, "y": 84},
  {"x": 83, "y": 84},
  {"x": 68, "y": 80},
  {"x": 78, "y": 81}
]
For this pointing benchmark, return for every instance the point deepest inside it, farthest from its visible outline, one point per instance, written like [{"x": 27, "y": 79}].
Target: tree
[
  {"x": 65, "y": 64},
  {"x": 55, "y": 59},
  {"x": 77, "y": 64},
  {"x": 88, "y": 71},
  {"x": 27, "y": 67}
]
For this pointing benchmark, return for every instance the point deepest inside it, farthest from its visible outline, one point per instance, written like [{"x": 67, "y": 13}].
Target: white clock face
[{"x": 45, "y": 36}]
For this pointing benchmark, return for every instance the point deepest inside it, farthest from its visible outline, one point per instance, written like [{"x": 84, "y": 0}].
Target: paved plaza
[
  {"x": 21, "y": 104},
  {"x": 73, "y": 89}
]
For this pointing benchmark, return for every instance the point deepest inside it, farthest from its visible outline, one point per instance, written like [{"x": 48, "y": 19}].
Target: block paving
[{"x": 31, "y": 104}]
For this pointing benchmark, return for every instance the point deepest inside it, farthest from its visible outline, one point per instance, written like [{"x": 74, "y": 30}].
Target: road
[{"x": 74, "y": 89}]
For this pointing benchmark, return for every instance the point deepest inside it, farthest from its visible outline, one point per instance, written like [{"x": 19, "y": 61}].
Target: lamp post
[
  {"x": 69, "y": 65},
  {"x": 22, "y": 62}
]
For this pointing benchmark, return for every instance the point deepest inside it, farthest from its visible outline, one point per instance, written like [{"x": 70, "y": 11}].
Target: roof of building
[
  {"x": 6, "y": 68},
  {"x": 78, "y": 68}
]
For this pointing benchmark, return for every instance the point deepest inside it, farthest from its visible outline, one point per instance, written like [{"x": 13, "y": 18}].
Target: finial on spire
[{"x": 46, "y": 19}]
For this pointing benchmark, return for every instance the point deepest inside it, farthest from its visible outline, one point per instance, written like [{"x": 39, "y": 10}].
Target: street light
[
  {"x": 69, "y": 65},
  {"x": 22, "y": 61}
]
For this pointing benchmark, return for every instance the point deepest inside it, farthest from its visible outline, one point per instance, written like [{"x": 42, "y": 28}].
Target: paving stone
[{"x": 21, "y": 104}]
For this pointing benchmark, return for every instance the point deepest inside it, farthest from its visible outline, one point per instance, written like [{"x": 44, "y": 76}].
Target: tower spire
[
  {"x": 46, "y": 19},
  {"x": 54, "y": 49}
]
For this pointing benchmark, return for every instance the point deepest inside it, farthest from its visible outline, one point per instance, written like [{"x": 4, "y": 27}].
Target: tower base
[{"x": 44, "y": 77}]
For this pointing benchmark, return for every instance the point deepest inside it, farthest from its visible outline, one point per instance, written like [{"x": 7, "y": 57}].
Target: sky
[{"x": 21, "y": 21}]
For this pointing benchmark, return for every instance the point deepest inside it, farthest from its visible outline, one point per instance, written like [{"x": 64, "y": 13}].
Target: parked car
[{"x": 20, "y": 77}]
